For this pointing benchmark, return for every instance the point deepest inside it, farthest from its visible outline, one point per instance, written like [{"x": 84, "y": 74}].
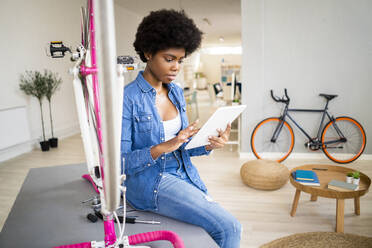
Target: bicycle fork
[
  {"x": 277, "y": 129},
  {"x": 341, "y": 139}
]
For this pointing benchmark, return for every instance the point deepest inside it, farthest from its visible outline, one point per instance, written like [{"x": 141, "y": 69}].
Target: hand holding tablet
[
  {"x": 219, "y": 141},
  {"x": 219, "y": 120}
]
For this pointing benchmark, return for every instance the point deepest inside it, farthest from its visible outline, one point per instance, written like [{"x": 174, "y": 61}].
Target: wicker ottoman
[{"x": 264, "y": 174}]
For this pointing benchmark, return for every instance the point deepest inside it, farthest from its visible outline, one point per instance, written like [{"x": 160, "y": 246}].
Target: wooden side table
[{"x": 326, "y": 173}]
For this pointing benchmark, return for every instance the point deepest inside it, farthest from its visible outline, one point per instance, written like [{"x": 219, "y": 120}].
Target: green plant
[
  {"x": 199, "y": 74},
  {"x": 52, "y": 81},
  {"x": 350, "y": 174},
  {"x": 356, "y": 174},
  {"x": 33, "y": 84}
]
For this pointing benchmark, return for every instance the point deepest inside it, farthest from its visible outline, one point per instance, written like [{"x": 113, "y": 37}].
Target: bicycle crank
[
  {"x": 334, "y": 147},
  {"x": 313, "y": 145}
]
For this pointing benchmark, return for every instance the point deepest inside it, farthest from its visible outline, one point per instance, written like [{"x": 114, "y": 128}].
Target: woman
[{"x": 160, "y": 175}]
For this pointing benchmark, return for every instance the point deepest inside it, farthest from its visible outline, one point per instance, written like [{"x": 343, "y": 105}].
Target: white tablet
[{"x": 219, "y": 119}]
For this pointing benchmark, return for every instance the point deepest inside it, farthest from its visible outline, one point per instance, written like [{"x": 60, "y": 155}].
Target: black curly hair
[{"x": 164, "y": 29}]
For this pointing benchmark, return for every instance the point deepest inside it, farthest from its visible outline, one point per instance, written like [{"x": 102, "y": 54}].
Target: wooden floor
[{"x": 263, "y": 214}]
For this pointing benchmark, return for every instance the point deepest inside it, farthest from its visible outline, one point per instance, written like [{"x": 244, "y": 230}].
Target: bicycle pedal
[{"x": 92, "y": 218}]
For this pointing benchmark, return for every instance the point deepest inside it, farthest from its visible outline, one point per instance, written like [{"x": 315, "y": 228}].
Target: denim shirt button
[
  {"x": 160, "y": 174},
  {"x": 148, "y": 164},
  {"x": 162, "y": 138},
  {"x": 148, "y": 117},
  {"x": 155, "y": 191},
  {"x": 162, "y": 157}
]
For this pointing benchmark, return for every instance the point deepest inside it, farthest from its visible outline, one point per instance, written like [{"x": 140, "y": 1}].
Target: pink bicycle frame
[{"x": 107, "y": 133}]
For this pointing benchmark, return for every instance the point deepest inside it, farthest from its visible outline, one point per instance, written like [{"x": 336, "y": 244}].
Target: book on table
[
  {"x": 313, "y": 182},
  {"x": 342, "y": 186},
  {"x": 305, "y": 175}
]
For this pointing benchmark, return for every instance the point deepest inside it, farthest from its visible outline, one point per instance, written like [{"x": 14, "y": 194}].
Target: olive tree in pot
[
  {"x": 53, "y": 81},
  {"x": 33, "y": 84}
]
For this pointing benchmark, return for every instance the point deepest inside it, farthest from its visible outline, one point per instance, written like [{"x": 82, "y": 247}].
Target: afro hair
[{"x": 164, "y": 29}]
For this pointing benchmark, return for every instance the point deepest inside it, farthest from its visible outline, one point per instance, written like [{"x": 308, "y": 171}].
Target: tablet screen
[{"x": 219, "y": 119}]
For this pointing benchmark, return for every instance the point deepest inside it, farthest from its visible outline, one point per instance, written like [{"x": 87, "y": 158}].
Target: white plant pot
[
  {"x": 349, "y": 179},
  {"x": 356, "y": 181}
]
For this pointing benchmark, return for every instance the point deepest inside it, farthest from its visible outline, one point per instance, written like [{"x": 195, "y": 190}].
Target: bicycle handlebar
[
  {"x": 286, "y": 95},
  {"x": 285, "y": 99},
  {"x": 273, "y": 97},
  {"x": 157, "y": 235}
]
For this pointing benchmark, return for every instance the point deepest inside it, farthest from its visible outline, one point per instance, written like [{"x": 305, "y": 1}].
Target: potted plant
[
  {"x": 53, "y": 81},
  {"x": 349, "y": 177},
  {"x": 33, "y": 84},
  {"x": 235, "y": 102},
  {"x": 356, "y": 177}
]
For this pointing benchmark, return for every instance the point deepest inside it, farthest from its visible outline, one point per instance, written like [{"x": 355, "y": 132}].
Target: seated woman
[{"x": 160, "y": 175}]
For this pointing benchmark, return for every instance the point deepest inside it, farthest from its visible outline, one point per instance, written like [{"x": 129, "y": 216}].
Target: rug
[
  {"x": 48, "y": 212},
  {"x": 321, "y": 239}
]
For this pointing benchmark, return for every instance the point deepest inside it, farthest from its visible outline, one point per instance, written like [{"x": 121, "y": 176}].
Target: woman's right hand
[
  {"x": 183, "y": 136},
  {"x": 173, "y": 144}
]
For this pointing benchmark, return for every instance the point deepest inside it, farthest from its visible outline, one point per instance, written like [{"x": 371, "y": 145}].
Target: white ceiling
[{"x": 224, "y": 16}]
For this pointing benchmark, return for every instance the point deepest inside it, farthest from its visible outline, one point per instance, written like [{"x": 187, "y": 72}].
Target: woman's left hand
[{"x": 220, "y": 141}]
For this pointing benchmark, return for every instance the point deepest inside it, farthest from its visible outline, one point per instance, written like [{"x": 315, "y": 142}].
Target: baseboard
[
  {"x": 62, "y": 133},
  {"x": 16, "y": 150},
  {"x": 19, "y": 149},
  {"x": 249, "y": 155},
  {"x": 366, "y": 157}
]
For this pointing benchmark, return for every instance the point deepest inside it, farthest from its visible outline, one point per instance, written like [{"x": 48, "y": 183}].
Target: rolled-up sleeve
[
  {"x": 135, "y": 160},
  {"x": 198, "y": 151}
]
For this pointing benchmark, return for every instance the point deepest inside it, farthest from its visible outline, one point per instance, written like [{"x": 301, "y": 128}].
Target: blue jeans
[{"x": 178, "y": 198}]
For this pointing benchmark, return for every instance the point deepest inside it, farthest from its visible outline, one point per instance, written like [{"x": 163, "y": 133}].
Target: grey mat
[{"x": 48, "y": 212}]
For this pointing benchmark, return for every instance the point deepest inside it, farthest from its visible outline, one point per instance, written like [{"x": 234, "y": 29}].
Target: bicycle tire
[
  {"x": 89, "y": 103},
  {"x": 262, "y": 146},
  {"x": 355, "y": 140}
]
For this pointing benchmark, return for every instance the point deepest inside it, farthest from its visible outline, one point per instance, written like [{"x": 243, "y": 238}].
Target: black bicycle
[{"x": 342, "y": 139}]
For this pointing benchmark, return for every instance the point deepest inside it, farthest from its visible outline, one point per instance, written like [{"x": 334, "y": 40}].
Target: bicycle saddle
[{"x": 328, "y": 97}]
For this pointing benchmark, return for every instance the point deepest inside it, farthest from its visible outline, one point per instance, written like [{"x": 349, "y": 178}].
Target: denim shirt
[{"x": 142, "y": 128}]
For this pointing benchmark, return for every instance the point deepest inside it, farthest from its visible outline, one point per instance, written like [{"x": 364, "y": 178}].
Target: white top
[{"x": 172, "y": 127}]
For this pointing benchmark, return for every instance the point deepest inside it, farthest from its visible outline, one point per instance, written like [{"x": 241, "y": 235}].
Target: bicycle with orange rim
[{"x": 342, "y": 139}]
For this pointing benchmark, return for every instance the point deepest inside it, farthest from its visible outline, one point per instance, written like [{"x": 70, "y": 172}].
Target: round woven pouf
[{"x": 264, "y": 174}]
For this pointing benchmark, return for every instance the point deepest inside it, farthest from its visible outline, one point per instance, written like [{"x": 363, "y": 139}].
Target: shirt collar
[{"x": 145, "y": 86}]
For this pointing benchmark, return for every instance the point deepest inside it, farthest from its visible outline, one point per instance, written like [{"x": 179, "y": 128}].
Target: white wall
[
  {"x": 309, "y": 47},
  {"x": 126, "y": 24},
  {"x": 211, "y": 65},
  {"x": 26, "y": 27}
]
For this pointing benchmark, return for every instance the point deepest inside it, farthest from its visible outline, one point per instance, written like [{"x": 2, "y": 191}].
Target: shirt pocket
[{"x": 143, "y": 122}]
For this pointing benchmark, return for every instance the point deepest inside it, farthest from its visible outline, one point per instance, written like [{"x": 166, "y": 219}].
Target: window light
[{"x": 222, "y": 50}]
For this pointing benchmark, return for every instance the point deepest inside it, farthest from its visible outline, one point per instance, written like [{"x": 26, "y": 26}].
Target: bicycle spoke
[
  {"x": 344, "y": 152},
  {"x": 264, "y": 148}
]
